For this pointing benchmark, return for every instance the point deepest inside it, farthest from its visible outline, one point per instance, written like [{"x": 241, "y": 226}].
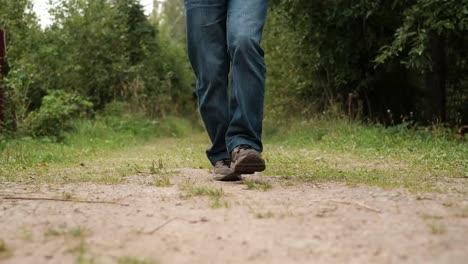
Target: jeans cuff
[
  {"x": 243, "y": 141},
  {"x": 217, "y": 157}
]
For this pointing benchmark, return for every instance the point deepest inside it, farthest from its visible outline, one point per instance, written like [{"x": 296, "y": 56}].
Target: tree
[
  {"x": 95, "y": 50},
  {"x": 171, "y": 19},
  {"x": 387, "y": 55},
  {"x": 424, "y": 42}
]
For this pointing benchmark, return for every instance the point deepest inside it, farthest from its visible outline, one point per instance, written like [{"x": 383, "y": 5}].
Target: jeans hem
[
  {"x": 217, "y": 157},
  {"x": 242, "y": 141}
]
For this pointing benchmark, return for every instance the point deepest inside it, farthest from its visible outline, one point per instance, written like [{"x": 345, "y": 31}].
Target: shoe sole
[
  {"x": 228, "y": 178},
  {"x": 250, "y": 164}
]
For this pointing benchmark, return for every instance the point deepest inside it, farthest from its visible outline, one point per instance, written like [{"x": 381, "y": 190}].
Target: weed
[
  {"x": 157, "y": 170},
  {"x": 266, "y": 215},
  {"x": 75, "y": 232},
  {"x": 5, "y": 251},
  {"x": 448, "y": 204},
  {"x": 67, "y": 196},
  {"x": 161, "y": 181},
  {"x": 53, "y": 232},
  {"x": 82, "y": 253},
  {"x": 437, "y": 229},
  {"x": 190, "y": 190},
  {"x": 161, "y": 176},
  {"x": 431, "y": 217},
  {"x": 133, "y": 260},
  {"x": 218, "y": 203},
  {"x": 258, "y": 185},
  {"x": 78, "y": 232}
]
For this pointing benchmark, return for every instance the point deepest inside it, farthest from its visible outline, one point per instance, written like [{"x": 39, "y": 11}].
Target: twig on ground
[
  {"x": 356, "y": 204},
  {"x": 61, "y": 200},
  {"x": 163, "y": 225}
]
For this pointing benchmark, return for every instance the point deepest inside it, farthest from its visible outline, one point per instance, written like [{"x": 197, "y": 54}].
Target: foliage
[
  {"x": 372, "y": 56},
  {"x": 389, "y": 61},
  {"x": 57, "y": 111},
  {"x": 420, "y": 19},
  {"x": 101, "y": 50}
]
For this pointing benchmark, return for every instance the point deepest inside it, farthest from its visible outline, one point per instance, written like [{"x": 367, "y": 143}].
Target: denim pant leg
[
  {"x": 207, "y": 47},
  {"x": 245, "y": 21}
]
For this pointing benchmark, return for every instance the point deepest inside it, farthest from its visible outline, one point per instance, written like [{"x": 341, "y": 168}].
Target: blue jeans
[{"x": 224, "y": 46}]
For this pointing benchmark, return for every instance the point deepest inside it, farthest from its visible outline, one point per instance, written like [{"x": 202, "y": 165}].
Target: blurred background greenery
[{"x": 389, "y": 62}]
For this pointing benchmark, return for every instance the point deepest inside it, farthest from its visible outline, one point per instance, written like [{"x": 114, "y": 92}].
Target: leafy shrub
[{"x": 56, "y": 113}]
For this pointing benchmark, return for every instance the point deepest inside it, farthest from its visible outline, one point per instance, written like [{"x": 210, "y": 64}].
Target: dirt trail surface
[{"x": 291, "y": 223}]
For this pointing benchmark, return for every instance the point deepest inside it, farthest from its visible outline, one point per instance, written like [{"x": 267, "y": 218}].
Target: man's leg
[
  {"x": 207, "y": 47},
  {"x": 245, "y": 21}
]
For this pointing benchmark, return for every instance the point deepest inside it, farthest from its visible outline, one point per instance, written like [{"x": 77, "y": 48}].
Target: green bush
[{"x": 55, "y": 115}]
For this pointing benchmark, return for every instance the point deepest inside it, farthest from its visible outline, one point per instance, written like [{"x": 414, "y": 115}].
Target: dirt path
[{"x": 291, "y": 223}]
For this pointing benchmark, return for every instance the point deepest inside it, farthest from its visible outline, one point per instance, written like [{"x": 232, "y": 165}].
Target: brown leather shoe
[
  {"x": 247, "y": 160},
  {"x": 223, "y": 172}
]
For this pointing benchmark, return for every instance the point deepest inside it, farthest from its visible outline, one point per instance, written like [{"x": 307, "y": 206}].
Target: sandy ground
[{"x": 291, "y": 223}]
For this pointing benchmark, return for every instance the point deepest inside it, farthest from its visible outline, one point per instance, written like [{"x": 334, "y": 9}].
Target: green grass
[
  {"x": 108, "y": 150},
  {"x": 191, "y": 190},
  {"x": 75, "y": 232},
  {"x": 266, "y": 215},
  {"x": 82, "y": 253},
  {"x": 104, "y": 151},
  {"x": 359, "y": 153},
  {"x": 5, "y": 251},
  {"x": 161, "y": 176},
  {"x": 258, "y": 185},
  {"x": 133, "y": 260},
  {"x": 437, "y": 228},
  {"x": 215, "y": 194}
]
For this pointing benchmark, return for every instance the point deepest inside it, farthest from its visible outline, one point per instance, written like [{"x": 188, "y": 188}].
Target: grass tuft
[
  {"x": 266, "y": 215},
  {"x": 215, "y": 194},
  {"x": 258, "y": 185},
  {"x": 133, "y": 260},
  {"x": 5, "y": 251},
  {"x": 437, "y": 229},
  {"x": 161, "y": 176}
]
